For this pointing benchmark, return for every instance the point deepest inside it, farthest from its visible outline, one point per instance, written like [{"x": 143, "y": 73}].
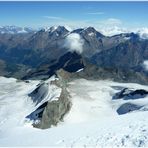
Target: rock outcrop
[
  {"x": 128, "y": 94},
  {"x": 51, "y": 112},
  {"x": 39, "y": 93},
  {"x": 128, "y": 107},
  {"x": 54, "y": 111}
]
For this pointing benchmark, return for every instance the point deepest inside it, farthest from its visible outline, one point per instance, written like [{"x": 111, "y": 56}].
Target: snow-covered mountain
[{"x": 93, "y": 120}]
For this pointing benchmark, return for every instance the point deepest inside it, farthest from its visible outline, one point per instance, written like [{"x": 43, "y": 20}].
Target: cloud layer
[
  {"x": 74, "y": 43},
  {"x": 143, "y": 32},
  {"x": 145, "y": 65}
]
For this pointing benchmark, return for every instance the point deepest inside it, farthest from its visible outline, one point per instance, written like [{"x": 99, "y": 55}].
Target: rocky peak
[
  {"x": 58, "y": 31},
  {"x": 90, "y": 31},
  {"x": 77, "y": 30}
]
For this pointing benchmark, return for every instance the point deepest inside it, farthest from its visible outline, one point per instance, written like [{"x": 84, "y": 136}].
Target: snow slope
[
  {"x": 14, "y": 103},
  {"x": 92, "y": 120}
]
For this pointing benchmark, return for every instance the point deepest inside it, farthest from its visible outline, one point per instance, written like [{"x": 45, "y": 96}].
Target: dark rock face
[
  {"x": 71, "y": 62},
  {"x": 127, "y": 94},
  {"x": 128, "y": 107},
  {"x": 92, "y": 71},
  {"x": 126, "y": 55},
  {"x": 37, "y": 114},
  {"x": 130, "y": 94},
  {"x": 39, "y": 93}
]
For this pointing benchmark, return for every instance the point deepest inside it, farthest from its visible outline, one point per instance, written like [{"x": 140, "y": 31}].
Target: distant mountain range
[
  {"x": 15, "y": 29},
  {"x": 27, "y": 53},
  {"x": 109, "y": 31}
]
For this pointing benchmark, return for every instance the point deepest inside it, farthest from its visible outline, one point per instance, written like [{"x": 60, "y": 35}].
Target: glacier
[{"x": 93, "y": 120}]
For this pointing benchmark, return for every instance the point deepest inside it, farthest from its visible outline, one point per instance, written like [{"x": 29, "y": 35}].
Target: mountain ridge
[{"x": 40, "y": 51}]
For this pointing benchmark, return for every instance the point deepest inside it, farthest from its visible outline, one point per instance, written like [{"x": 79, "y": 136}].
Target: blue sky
[{"x": 74, "y": 14}]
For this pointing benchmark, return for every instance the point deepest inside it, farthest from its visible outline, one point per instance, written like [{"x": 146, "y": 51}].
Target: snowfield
[{"x": 93, "y": 120}]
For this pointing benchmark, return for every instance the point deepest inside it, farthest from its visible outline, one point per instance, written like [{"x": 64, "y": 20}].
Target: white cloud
[
  {"x": 112, "y": 30},
  {"x": 143, "y": 32},
  {"x": 112, "y": 21},
  {"x": 53, "y": 17},
  {"x": 74, "y": 43},
  {"x": 145, "y": 65},
  {"x": 95, "y": 13}
]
